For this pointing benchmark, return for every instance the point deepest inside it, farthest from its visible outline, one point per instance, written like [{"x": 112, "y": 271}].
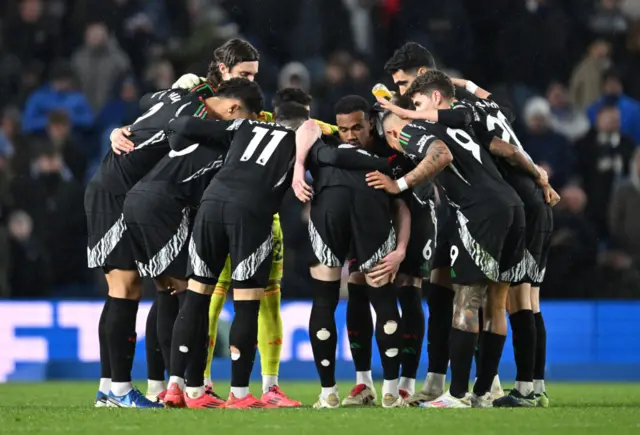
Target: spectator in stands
[
  {"x": 608, "y": 20},
  {"x": 631, "y": 64},
  {"x": 603, "y": 157},
  {"x": 98, "y": 64},
  {"x": 624, "y": 213},
  {"x": 60, "y": 138},
  {"x": 31, "y": 35},
  {"x": 159, "y": 75},
  {"x": 54, "y": 200},
  {"x": 27, "y": 255},
  {"x": 565, "y": 119},
  {"x": 10, "y": 75},
  {"x": 586, "y": 79},
  {"x": 613, "y": 95},
  {"x": 574, "y": 249},
  {"x": 123, "y": 108},
  {"x": 58, "y": 94},
  {"x": 546, "y": 147}
]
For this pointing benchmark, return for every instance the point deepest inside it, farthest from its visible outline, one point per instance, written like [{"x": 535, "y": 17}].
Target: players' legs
[
  {"x": 155, "y": 362},
  {"x": 270, "y": 324},
  {"x": 541, "y": 349},
  {"x": 360, "y": 332},
  {"x": 125, "y": 291},
  {"x": 215, "y": 308},
  {"x": 440, "y": 297},
  {"x": 208, "y": 248},
  {"x": 413, "y": 327},
  {"x": 323, "y": 331},
  {"x": 523, "y": 329}
]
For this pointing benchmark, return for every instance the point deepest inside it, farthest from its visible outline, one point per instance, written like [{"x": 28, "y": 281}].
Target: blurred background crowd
[{"x": 72, "y": 70}]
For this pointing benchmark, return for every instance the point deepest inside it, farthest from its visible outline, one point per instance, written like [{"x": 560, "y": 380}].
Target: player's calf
[
  {"x": 413, "y": 329},
  {"x": 388, "y": 336}
]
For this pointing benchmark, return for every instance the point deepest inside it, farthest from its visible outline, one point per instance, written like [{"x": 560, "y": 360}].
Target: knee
[{"x": 125, "y": 284}]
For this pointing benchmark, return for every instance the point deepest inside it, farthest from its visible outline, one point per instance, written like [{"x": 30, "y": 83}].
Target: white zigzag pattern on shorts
[
  {"x": 321, "y": 250},
  {"x": 169, "y": 252},
  {"x": 198, "y": 265},
  {"x": 249, "y": 266},
  {"x": 487, "y": 264},
  {"x": 97, "y": 255},
  {"x": 388, "y": 246}
]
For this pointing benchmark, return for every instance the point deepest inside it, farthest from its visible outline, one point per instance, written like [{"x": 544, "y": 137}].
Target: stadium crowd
[{"x": 71, "y": 71}]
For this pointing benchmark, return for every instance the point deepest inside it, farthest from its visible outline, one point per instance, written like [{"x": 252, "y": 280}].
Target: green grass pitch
[{"x": 67, "y": 408}]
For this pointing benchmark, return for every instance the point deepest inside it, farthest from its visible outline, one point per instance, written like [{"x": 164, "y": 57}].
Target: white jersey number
[
  {"x": 507, "y": 132},
  {"x": 465, "y": 141},
  {"x": 269, "y": 149},
  {"x": 152, "y": 111}
]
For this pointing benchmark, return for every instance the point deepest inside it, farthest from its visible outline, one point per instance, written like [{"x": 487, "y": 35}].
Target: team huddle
[{"x": 429, "y": 183}]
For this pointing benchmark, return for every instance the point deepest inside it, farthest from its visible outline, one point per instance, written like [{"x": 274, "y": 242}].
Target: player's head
[
  {"x": 291, "y": 95},
  {"x": 236, "y": 98},
  {"x": 431, "y": 90},
  {"x": 353, "y": 120},
  {"x": 393, "y": 124},
  {"x": 292, "y": 115},
  {"x": 235, "y": 58},
  {"x": 407, "y": 63}
]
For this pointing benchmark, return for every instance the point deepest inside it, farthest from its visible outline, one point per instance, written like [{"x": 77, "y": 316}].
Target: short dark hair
[
  {"x": 244, "y": 90},
  {"x": 351, "y": 104},
  {"x": 402, "y": 101},
  {"x": 231, "y": 53},
  {"x": 291, "y": 95},
  {"x": 410, "y": 56},
  {"x": 611, "y": 74},
  {"x": 431, "y": 81},
  {"x": 291, "y": 114}
]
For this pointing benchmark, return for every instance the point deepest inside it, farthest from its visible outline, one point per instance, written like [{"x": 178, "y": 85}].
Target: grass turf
[{"x": 67, "y": 407}]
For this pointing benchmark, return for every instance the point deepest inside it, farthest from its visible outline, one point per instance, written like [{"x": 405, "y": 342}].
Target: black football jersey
[
  {"x": 344, "y": 165},
  {"x": 119, "y": 173},
  {"x": 494, "y": 122},
  {"x": 472, "y": 179}
]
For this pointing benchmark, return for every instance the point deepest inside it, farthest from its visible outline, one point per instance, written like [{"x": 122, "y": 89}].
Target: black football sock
[
  {"x": 541, "y": 347},
  {"x": 462, "y": 345},
  {"x": 181, "y": 298},
  {"x": 413, "y": 327},
  {"x": 476, "y": 353},
  {"x": 388, "y": 329},
  {"x": 523, "y": 331},
  {"x": 168, "y": 309},
  {"x": 360, "y": 326},
  {"x": 183, "y": 339},
  {"x": 200, "y": 341},
  {"x": 243, "y": 340},
  {"x": 155, "y": 363},
  {"x": 490, "y": 354},
  {"x": 105, "y": 361},
  {"x": 322, "y": 329},
  {"x": 121, "y": 335},
  {"x": 440, "y": 303}
]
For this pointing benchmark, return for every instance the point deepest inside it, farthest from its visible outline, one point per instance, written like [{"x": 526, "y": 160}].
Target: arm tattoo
[
  {"x": 466, "y": 305},
  {"x": 437, "y": 158},
  {"x": 514, "y": 155}
]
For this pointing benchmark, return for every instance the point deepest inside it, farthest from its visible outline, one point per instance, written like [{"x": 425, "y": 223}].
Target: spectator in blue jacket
[
  {"x": 613, "y": 95},
  {"x": 58, "y": 94}
]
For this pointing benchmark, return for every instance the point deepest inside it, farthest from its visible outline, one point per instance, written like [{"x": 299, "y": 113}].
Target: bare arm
[
  {"x": 401, "y": 224},
  {"x": 437, "y": 158},
  {"x": 306, "y": 135},
  {"x": 516, "y": 157},
  {"x": 478, "y": 91}
]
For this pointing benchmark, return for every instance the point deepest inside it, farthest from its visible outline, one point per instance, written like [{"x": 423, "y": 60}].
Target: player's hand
[
  {"x": 119, "y": 142},
  {"x": 553, "y": 196},
  {"x": 378, "y": 180},
  {"x": 543, "y": 177},
  {"x": 188, "y": 81},
  {"x": 302, "y": 190},
  {"x": 388, "y": 105},
  {"x": 387, "y": 266}
]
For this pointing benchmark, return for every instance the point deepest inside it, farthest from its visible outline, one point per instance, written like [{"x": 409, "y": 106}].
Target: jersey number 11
[{"x": 269, "y": 149}]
